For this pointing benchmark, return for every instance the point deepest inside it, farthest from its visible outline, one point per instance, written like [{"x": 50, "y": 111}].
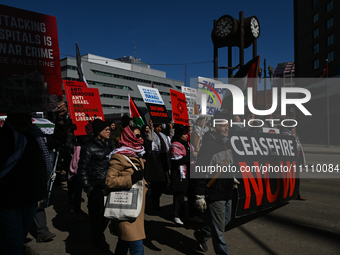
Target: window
[
  {"x": 315, "y": 17},
  {"x": 330, "y": 56},
  {"x": 316, "y": 63},
  {"x": 315, "y": 3},
  {"x": 329, "y": 23},
  {"x": 330, "y": 40},
  {"x": 316, "y": 33},
  {"x": 329, "y": 6},
  {"x": 316, "y": 48}
]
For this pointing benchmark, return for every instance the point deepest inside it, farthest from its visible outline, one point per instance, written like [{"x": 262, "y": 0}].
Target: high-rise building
[
  {"x": 115, "y": 79},
  {"x": 316, "y": 37}
]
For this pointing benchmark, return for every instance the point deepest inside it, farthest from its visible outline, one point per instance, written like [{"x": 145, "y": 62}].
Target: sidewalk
[{"x": 323, "y": 149}]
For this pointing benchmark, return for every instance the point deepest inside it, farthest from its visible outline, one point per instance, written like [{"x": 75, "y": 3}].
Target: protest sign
[
  {"x": 179, "y": 108},
  {"x": 84, "y": 105},
  {"x": 154, "y": 104},
  {"x": 158, "y": 113},
  {"x": 190, "y": 96},
  {"x": 267, "y": 170},
  {"x": 30, "y": 75},
  {"x": 150, "y": 95},
  {"x": 209, "y": 96}
]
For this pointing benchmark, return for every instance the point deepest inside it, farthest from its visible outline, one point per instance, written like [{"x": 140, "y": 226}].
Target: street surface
[{"x": 299, "y": 227}]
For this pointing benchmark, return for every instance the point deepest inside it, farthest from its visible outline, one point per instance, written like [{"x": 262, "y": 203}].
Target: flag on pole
[
  {"x": 244, "y": 78},
  {"x": 325, "y": 71},
  {"x": 80, "y": 66},
  {"x": 151, "y": 84},
  {"x": 135, "y": 113}
]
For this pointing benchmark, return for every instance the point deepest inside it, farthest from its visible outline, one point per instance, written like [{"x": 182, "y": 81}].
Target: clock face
[
  {"x": 255, "y": 27},
  {"x": 224, "y": 26}
]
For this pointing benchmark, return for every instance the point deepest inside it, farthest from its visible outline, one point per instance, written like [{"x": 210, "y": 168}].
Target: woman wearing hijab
[
  {"x": 180, "y": 150},
  {"x": 122, "y": 175}
]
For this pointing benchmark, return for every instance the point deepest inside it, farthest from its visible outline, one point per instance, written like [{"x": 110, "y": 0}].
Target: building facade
[
  {"x": 316, "y": 37},
  {"x": 115, "y": 79}
]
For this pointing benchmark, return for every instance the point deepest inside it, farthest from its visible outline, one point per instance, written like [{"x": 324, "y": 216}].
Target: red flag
[{"x": 151, "y": 84}]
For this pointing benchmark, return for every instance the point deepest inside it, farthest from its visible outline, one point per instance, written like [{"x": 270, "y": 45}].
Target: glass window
[
  {"x": 330, "y": 56},
  {"x": 330, "y": 40},
  {"x": 316, "y": 33},
  {"x": 316, "y": 17},
  {"x": 315, "y": 3},
  {"x": 329, "y": 6},
  {"x": 329, "y": 23},
  {"x": 316, "y": 63},
  {"x": 316, "y": 48}
]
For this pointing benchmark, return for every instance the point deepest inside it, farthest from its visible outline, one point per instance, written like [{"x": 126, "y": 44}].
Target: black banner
[
  {"x": 158, "y": 113},
  {"x": 267, "y": 169}
]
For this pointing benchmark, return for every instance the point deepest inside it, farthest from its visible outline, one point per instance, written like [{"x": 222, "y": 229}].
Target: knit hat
[{"x": 98, "y": 126}]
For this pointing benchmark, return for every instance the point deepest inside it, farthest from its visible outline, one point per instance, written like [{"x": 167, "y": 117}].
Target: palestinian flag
[
  {"x": 244, "y": 78},
  {"x": 135, "y": 113}
]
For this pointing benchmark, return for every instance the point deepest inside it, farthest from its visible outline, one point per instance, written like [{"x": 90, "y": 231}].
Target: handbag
[{"x": 125, "y": 204}]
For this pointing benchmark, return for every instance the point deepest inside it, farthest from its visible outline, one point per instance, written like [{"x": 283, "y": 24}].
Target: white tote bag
[{"x": 125, "y": 204}]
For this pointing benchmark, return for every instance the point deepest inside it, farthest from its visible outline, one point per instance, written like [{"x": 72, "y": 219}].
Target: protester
[
  {"x": 180, "y": 151},
  {"x": 113, "y": 136},
  {"x": 216, "y": 192},
  {"x": 147, "y": 133},
  {"x": 301, "y": 155},
  {"x": 25, "y": 165},
  {"x": 158, "y": 172},
  {"x": 122, "y": 175},
  {"x": 124, "y": 122},
  {"x": 92, "y": 168},
  {"x": 199, "y": 129}
]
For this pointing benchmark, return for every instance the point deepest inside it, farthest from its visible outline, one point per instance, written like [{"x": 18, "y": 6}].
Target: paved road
[{"x": 299, "y": 227}]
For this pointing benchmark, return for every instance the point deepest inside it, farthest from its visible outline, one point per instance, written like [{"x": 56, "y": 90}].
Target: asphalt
[
  {"x": 321, "y": 149},
  {"x": 163, "y": 236}
]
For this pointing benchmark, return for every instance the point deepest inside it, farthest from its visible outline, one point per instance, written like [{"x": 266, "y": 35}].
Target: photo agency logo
[{"x": 238, "y": 105}]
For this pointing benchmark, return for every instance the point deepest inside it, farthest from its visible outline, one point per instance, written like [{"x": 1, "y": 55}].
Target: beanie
[{"x": 98, "y": 126}]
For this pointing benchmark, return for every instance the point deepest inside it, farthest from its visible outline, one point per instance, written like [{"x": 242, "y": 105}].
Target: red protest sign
[
  {"x": 30, "y": 75},
  {"x": 84, "y": 105},
  {"x": 179, "y": 108}
]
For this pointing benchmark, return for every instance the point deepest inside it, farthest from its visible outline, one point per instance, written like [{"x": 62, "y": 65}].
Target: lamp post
[{"x": 270, "y": 71}]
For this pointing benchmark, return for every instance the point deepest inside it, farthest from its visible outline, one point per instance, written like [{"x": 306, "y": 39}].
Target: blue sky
[{"x": 167, "y": 34}]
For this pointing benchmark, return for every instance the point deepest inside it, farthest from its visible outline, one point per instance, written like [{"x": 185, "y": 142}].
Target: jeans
[
  {"x": 14, "y": 227},
  {"x": 136, "y": 247},
  {"x": 220, "y": 215}
]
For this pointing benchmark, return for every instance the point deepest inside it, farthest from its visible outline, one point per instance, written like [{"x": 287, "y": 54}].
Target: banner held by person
[
  {"x": 154, "y": 104},
  {"x": 179, "y": 108},
  {"x": 30, "y": 74},
  {"x": 84, "y": 106}
]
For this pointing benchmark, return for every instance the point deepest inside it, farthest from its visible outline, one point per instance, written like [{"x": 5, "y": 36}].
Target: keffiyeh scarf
[{"x": 129, "y": 145}]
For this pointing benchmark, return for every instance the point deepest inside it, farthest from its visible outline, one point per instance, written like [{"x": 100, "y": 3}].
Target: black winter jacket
[
  {"x": 93, "y": 164},
  {"x": 212, "y": 152},
  {"x": 25, "y": 183}
]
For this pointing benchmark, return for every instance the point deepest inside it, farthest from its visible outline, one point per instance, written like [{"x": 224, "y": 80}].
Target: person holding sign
[
  {"x": 215, "y": 193},
  {"x": 25, "y": 167},
  {"x": 92, "y": 168}
]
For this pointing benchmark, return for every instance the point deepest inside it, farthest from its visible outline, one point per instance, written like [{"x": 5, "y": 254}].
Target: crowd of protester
[{"x": 163, "y": 153}]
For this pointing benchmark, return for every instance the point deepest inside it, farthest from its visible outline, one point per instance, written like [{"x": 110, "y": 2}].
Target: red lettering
[
  {"x": 288, "y": 179},
  {"x": 257, "y": 186},
  {"x": 270, "y": 197}
]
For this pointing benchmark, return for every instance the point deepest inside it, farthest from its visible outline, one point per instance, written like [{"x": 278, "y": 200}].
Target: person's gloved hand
[
  {"x": 53, "y": 176},
  {"x": 137, "y": 175},
  {"x": 200, "y": 203}
]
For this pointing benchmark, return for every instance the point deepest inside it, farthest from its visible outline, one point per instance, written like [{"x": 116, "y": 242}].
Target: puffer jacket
[
  {"x": 212, "y": 152},
  {"x": 93, "y": 164}
]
